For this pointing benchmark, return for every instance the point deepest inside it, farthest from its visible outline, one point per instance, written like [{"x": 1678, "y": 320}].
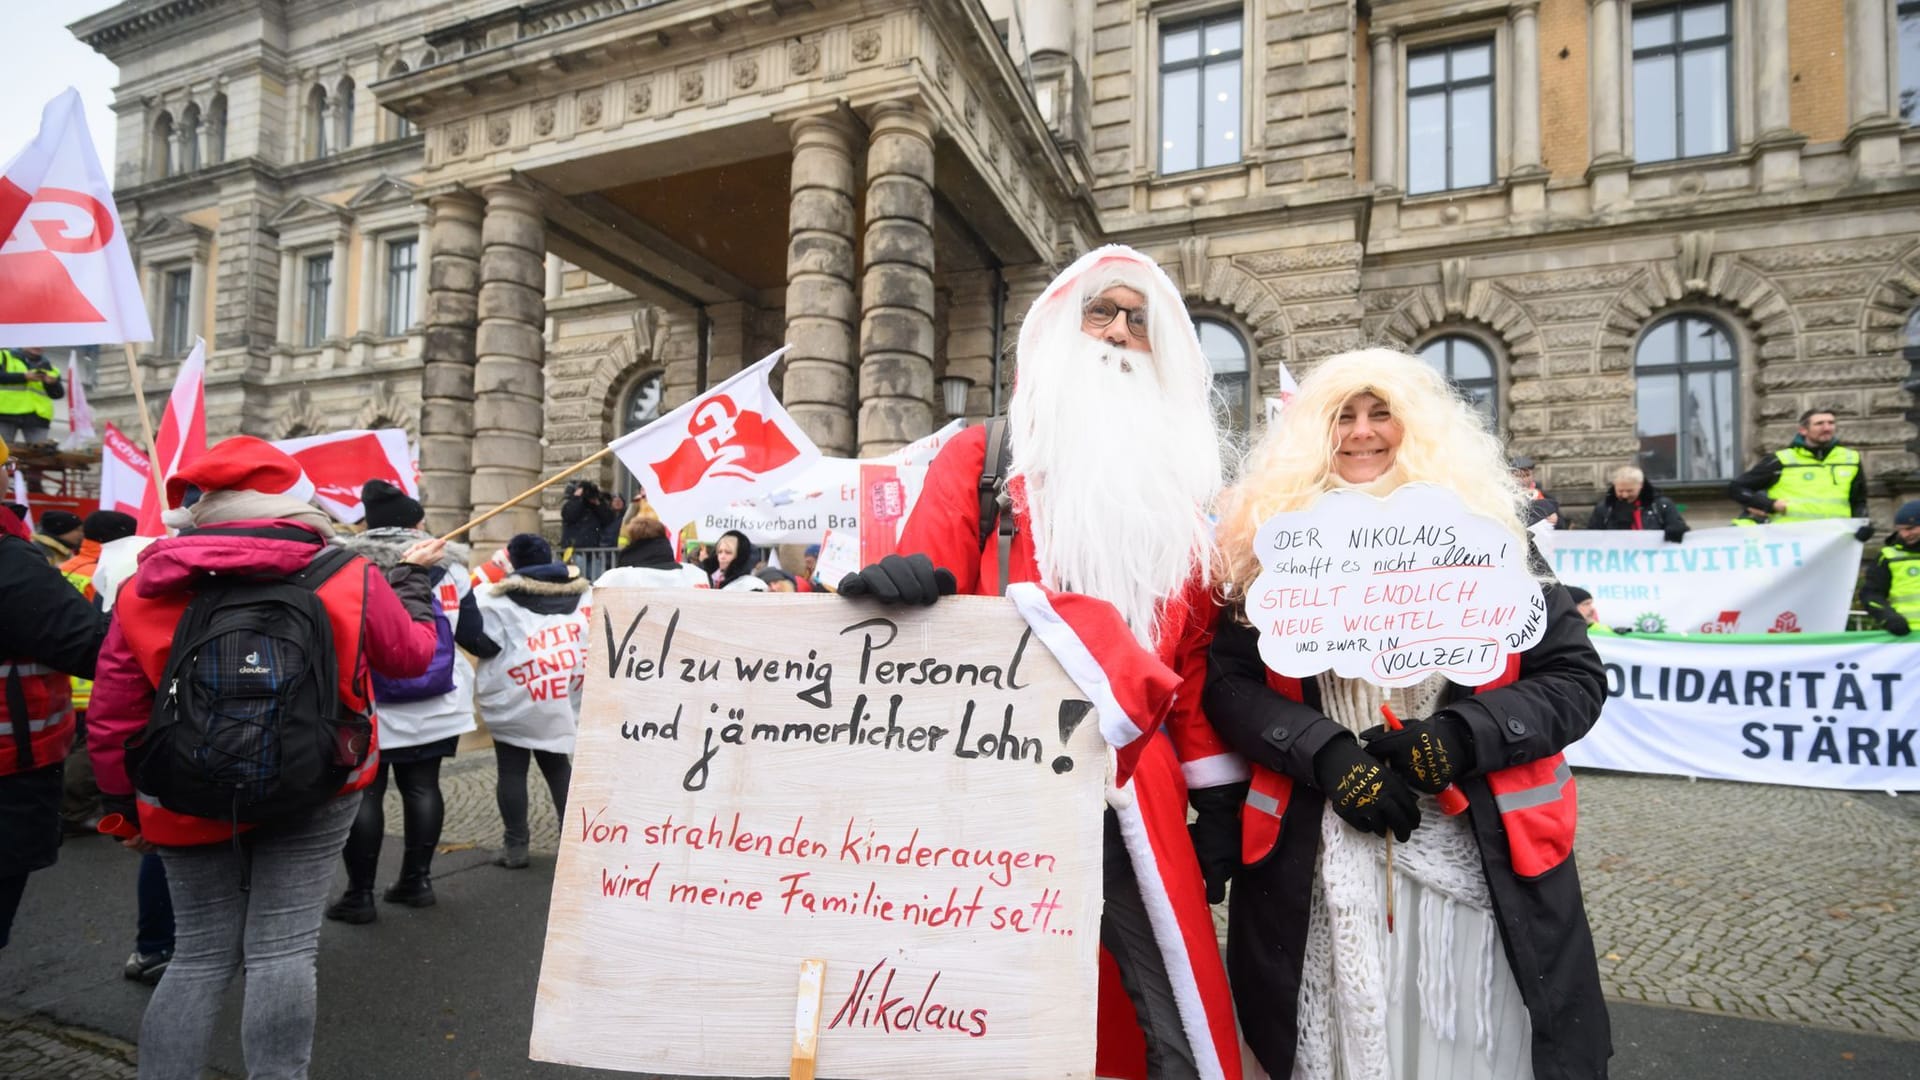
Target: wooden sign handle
[{"x": 806, "y": 1018}]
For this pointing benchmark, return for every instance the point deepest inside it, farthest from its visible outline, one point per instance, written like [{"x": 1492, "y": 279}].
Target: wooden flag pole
[
  {"x": 530, "y": 492},
  {"x": 806, "y": 1019},
  {"x": 146, "y": 427}
]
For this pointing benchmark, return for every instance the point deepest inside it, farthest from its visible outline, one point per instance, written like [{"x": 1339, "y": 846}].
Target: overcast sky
[{"x": 44, "y": 59}]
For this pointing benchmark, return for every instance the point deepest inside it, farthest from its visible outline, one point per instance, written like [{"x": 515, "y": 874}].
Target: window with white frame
[
  {"x": 403, "y": 269},
  {"x": 319, "y": 284},
  {"x": 1200, "y": 117},
  {"x": 1468, "y": 365},
  {"x": 176, "y": 312},
  {"x": 1682, "y": 81},
  {"x": 1227, "y": 355},
  {"x": 1450, "y": 117},
  {"x": 1684, "y": 373},
  {"x": 1908, "y": 14}
]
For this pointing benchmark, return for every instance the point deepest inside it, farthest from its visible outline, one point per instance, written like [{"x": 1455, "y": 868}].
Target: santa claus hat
[{"x": 242, "y": 463}]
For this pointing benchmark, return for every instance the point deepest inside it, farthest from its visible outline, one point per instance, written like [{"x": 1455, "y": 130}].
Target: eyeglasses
[{"x": 1100, "y": 313}]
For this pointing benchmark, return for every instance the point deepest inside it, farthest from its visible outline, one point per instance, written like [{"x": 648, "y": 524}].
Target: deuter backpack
[{"x": 247, "y": 722}]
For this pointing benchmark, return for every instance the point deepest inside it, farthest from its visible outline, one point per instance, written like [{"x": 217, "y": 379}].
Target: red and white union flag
[
  {"x": 124, "y": 472},
  {"x": 341, "y": 463},
  {"x": 66, "y": 276},
  {"x": 729, "y": 443}
]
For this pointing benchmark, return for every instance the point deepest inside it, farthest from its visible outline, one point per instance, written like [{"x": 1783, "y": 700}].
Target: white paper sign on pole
[
  {"x": 913, "y": 797},
  {"x": 1390, "y": 591}
]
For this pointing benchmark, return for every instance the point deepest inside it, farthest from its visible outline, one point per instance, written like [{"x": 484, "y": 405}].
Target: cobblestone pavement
[
  {"x": 1770, "y": 902},
  {"x": 473, "y": 818},
  {"x": 34, "y": 1048}
]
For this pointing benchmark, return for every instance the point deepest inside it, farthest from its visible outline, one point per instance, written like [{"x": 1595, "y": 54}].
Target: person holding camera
[{"x": 585, "y": 516}]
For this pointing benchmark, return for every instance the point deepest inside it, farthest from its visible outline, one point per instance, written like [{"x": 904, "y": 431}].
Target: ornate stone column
[
  {"x": 283, "y": 310},
  {"x": 896, "y": 294},
  {"x": 1607, "y": 170},
  {"x": 509, "y": 406},
  {"x": 819, "y": 385},
  {"x": 1873, "y": 135},
  {"x": 1049, "y": 27},
  {"x": 446, "y": 378},
  {"x": 1528, "y": 179},
  {"x": 337, "y": 290},
  {"x": 1385, "y": 98},
  {"x": 1777, "y": 144}
]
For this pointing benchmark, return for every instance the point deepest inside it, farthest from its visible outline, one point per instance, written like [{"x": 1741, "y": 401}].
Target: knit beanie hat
[
  {"x": 103, "y": 526},
  {"x": 529, "y": 549},
  {"x": 58, "y": 523},
  {"x": 1909, "y": 514},
  {"x": 242, "y": 463},
  {"x": 388, "y": 507}
]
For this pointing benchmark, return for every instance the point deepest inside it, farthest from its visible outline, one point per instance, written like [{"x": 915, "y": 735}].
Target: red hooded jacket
[{"x": 150, "y": 605}]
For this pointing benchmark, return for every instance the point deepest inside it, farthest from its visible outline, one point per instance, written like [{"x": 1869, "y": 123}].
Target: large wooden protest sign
[
  {"x": 914, "y": 797},
  {"x": 1390, "y": 591}
]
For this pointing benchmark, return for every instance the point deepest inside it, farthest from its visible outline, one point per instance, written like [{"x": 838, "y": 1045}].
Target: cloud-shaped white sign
[{"x": 1390, "y": 591}]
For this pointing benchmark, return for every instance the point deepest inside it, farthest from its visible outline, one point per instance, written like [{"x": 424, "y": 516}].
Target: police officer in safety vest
[
  {"x": 1890, "y": 590},
  {"x": 29, "y": 385},
  {"x": 1813, "y": 478}
]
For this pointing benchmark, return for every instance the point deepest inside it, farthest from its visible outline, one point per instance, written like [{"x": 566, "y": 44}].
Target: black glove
[
  {"x": 1864, "y": 533},
  {"x": 900, "y": 579},
  {"x": 1675, "y": 535},
  {"x": 1216, "y": 835},
  {"x": 1896, "y": 624},
  {"x": 1429, "y": 752},
  {"x": 1363, "y": 791}
]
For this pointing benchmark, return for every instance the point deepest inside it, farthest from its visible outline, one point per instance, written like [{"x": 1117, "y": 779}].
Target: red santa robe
[{"x": 1152, "y": 803}]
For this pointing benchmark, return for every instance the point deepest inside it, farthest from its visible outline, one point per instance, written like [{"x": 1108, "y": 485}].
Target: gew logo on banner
[
  {"x": 38, "y": 287},
  {"x": 724, "y": 440}
]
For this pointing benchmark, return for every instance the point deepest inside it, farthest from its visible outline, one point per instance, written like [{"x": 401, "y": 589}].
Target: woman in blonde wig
[{"x": 1490, "y": 971}]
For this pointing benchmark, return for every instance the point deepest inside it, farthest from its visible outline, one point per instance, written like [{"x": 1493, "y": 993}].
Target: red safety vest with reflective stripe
[
  {"x": 1537, "y": 802},
  {"x": 39, "y": 711},
  {"x": 148, "y": 625}
]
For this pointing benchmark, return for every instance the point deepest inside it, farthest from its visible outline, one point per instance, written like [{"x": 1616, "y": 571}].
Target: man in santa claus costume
[{"x": 1098, "y": 483}]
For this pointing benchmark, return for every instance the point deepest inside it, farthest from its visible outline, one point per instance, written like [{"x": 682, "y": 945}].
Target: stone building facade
[{"x": 1634, "y": 231}]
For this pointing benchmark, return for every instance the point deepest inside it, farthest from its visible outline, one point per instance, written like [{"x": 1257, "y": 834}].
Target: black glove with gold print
[
  {"x": 1363, "y": 791},
  {"x": 1429, "y": 752}
]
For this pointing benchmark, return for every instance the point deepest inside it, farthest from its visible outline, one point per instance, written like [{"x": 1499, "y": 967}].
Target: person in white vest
[
  {"x": 421, "y": 719},
  {"x": 533, "y": 652}
]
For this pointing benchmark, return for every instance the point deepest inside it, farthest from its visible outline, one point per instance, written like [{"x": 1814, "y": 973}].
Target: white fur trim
[
  {"x": 177, "y": 518},
  {"x": 1116, "y": 726},
  {"x": 1215, "y": 770},
  {"x": 1117, "y": 795},
  {"x": 1173, "y": 946}
]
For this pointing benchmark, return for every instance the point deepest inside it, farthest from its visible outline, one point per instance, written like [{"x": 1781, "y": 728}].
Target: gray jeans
[
  {"x": 273, "y": 929},
  {"x": 17, "y": 430}
]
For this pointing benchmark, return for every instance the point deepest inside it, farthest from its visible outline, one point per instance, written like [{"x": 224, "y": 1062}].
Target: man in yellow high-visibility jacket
[
  {"x": 1812, "y": 478},
  {"x": 29, "y": 385},
  {"x": 1890, "y": 589}
]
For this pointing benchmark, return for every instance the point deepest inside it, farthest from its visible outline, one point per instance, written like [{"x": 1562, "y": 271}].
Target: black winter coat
[
  {"x": 1543, "y": 923},
  {"x": 1657, "y": 514},
  {"x": 582, "y": 523}
]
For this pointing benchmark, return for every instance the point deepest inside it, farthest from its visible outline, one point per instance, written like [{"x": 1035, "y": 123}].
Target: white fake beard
[{"x": 1119, "y": 470}]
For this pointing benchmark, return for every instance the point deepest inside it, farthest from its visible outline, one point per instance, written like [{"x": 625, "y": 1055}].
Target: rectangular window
[
  {"x": 176, "y": 323},
  {"x": 1200, "y": 121},
  {"x": 402, "y": 267},
  {"x": 1450, "y": 117},
  {"x": 1909, "y": 14},
  {"x": 1682, "y": 81},
  {"x": 319, "y": 284}
]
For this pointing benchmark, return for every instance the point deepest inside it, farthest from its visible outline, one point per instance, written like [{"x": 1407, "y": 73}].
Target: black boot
[
  {"x": 355, "y": 906},
  {"x": 415, "y": 887}
]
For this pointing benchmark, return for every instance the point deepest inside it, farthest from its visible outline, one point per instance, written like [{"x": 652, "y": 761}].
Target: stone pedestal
[
  {"x": 509, "y": 384},
  {"x": 896, "y": 293},
  {"x": 819, "y": 385},
  {"x": 446, "y": 377}
]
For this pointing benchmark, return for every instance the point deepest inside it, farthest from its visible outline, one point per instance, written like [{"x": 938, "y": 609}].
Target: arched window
[
  {"x": 640, "y": 407},
  {"x": 1469, "y": 367},
  {"x": 317, "y": 141},
  {"x": 189, "y": 138},
  {"x": 1684, "y": 376},
  {"x": 217, "y": 130},
  {"x": 343, "y": 122},
  {"x": 160, "y": 153},
  {"x": 1910, "y": 338},
  {"x": 398, "y": 127},
  {"x": 1226, "y": 353}
]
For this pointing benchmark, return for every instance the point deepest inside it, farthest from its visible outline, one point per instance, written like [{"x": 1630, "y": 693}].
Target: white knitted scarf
[{"x": 1345, "y": 985}]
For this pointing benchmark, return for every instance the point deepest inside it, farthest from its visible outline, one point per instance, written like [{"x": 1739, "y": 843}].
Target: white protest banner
[
  {"x": 839, "y": 556},
  {"x": 1781, "y": 579},
  {"x": 1820, "y": 710},
  {"x": 1392, "y": 590},
  {"x": 913, "y": 797}
]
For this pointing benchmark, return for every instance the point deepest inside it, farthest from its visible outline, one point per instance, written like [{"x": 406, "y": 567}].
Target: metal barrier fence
[{"x": 593, "y": 561}]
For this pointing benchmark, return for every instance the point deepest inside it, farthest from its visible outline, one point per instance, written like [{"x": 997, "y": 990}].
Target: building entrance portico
[{"x": 692, "y": 185}]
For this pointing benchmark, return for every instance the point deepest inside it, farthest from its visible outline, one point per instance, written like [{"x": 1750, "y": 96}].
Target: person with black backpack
[
  {"x": 421, "y": 719},
  {"x": 233, "y": 728}
]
